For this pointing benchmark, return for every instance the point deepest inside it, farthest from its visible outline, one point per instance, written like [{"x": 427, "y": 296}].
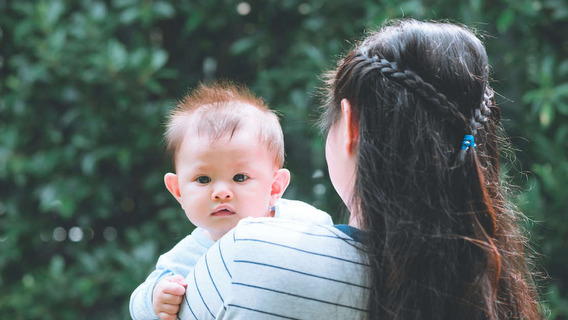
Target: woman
[{"x": 413, "y": 151}]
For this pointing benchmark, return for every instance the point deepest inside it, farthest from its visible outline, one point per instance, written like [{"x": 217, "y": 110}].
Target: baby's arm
[
  {"x": 167, "y": 296},
  {"x": 177, "y": 262},
  {"x": 141, "y": 301}
]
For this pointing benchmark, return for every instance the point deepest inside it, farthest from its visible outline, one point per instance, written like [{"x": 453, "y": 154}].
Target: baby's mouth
[{"x": 223, "y": 212}]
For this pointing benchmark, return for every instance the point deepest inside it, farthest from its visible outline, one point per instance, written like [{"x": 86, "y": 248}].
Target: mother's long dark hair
[{"x": 443, "y": 244}]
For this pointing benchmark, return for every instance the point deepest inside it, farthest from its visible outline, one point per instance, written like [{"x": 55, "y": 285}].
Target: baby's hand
[{"x": 167, "y": 296}]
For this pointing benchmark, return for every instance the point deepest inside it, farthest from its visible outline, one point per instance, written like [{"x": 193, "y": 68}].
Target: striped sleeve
[
  {"x": 280, "y": 270},
  {"x": 209, "y": 283}
]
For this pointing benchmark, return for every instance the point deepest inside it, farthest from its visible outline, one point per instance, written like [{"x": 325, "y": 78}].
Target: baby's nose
[{"x": 222, "y": 193}]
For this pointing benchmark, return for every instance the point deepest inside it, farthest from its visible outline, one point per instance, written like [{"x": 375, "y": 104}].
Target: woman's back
[
  {"x": 279, "y": 268},
  {"x": 443, "y": 243}
]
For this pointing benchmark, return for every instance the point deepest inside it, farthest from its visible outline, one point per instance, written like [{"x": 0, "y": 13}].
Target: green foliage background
[{"x": 85, "y": 86}]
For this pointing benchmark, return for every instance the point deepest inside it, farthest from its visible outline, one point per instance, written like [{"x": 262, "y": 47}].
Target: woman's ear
[
  {"x": 279, "y": 185},
  {"x": 351, "y": 133},
  {"x": 172, "y": 184}
]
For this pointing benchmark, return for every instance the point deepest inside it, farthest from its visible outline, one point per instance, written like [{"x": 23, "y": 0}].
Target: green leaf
[
  {"x": 313, "y": 54},
  {"x": 243, "y": 45},
  {"x": 56, "y": 41},
  {"x": 159, "y": 59},
  {"x": 51, "y": 12},
  {"x": 163, "y": 9},
  {"x": 476, "y": 5},
  {"x": 561, "y": 90},
  {"x": 57, "y": 266},
  {"x": 129, "y": 15},
  {"x": 505, "y": 20},
  {"x": 49, "y": 198},
  {"x": 117, "y": 55},
  {"x": 98, "y": 11},
  {"x": 546, "y": 114}
]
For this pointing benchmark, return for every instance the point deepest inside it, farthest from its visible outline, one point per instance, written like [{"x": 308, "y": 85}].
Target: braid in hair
[
  {"x": 479, "y": 119},
  {"x": 489, "y": 108},
  {"x": 410, "y": 80}
]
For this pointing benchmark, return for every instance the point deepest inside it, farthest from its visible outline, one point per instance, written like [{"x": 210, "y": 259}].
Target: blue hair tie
[{"x": 468, "y": 141}]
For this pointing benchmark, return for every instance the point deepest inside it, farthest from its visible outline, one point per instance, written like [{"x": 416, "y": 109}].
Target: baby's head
[{"x": 227, "y": 148}]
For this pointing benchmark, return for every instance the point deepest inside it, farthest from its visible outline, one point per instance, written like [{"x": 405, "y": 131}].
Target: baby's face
[{"x": 225, "y": 181}]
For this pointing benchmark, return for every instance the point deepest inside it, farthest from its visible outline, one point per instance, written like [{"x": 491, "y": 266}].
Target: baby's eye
[
  {"x": 203, "y": 179},
  {"x": 240, "y": 177}
]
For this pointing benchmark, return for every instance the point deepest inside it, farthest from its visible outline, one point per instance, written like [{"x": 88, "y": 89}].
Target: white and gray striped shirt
[
  {"x": 279, "y": 269},
  {"x": 182, "y": 258}
]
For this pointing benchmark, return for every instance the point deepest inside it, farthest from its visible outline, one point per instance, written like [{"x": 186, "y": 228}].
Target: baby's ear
[
  {"x": 171, "y": 181},
  {"x": 279, "y": 185}
]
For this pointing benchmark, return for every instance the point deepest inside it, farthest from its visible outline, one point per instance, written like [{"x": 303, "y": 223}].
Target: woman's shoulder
[
  {"x": 288, "y": 236},
  {"x": 297, "y": 270},
  {"x": 274, "y": 228}
]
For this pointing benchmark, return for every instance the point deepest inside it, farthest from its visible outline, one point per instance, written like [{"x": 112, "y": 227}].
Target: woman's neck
[{"x": 354, "y": 218}]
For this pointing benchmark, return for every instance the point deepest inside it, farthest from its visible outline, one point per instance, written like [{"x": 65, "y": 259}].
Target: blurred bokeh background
[{"x": 85, "y": 86}]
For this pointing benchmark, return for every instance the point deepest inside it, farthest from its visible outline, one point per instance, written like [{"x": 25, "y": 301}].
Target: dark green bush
[{"x": 85, "y": 86}]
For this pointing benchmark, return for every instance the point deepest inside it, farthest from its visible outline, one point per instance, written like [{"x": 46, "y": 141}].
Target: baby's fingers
[
  {"x": 167, "y": 316},
  {"x": 174, "y": 288},
  {"x": 178, "y": 279},
  {"x": 167, "y": 298}
]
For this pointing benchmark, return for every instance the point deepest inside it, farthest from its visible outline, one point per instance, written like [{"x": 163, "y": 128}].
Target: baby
[{"x": 227, "y": 148}]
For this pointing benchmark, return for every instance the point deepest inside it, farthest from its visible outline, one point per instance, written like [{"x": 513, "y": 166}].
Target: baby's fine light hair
[{"x": 222, "y": 108}]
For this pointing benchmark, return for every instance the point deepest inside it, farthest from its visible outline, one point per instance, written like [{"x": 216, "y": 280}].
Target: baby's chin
[
  {"x": 215, "y": 236},
  {"x": 218, "y": 234}
]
